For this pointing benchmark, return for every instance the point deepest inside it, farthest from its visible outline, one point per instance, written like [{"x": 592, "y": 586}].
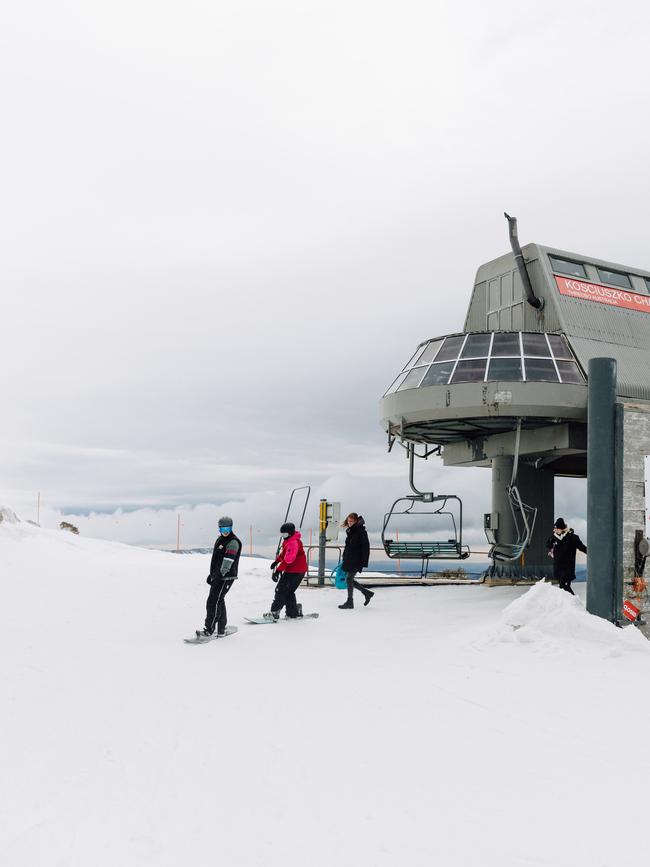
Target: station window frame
[
  {"x": 561, "y": 356},
  {"x": 556, "y": 265},
  {"x": 600, "y": 271}
]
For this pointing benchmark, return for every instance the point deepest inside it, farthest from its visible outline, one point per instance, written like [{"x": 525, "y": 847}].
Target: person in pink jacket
[{"x": 289, "y": 569}]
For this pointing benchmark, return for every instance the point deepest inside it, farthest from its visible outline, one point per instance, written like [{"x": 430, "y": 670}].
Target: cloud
[{"x": 226, "y": 226}]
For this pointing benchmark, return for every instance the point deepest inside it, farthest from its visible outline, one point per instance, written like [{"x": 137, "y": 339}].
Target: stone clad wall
[{"x": 636, "y": 444}]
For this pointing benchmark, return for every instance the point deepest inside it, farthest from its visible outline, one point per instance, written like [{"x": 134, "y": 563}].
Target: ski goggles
[{"x": 225, "y": 530}]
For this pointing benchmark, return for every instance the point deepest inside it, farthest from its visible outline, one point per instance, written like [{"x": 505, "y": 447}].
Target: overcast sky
[{"x": 226, "y": 225}]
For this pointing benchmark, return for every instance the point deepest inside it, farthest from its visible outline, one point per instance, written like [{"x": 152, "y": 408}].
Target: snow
[{"x": 440, "y": 725}]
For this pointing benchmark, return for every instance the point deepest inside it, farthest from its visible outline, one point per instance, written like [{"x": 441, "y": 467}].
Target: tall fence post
[{"x": 178, "y": 533}]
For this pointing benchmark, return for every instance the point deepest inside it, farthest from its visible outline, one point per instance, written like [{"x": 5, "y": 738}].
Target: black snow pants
[
  {"x": 285, "y": 592},
  {"x": 215, "y": 609},
  {"x": 352, "y": 585}
]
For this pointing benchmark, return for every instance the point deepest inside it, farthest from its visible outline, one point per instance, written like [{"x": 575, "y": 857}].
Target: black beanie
[{"x": 288, "y": 528}]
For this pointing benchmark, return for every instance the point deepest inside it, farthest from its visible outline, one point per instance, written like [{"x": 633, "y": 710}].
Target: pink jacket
[{"x": 292, "y": 556}]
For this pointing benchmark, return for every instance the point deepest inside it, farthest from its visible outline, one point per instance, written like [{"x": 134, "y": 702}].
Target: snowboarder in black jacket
[
  {"x": 356, "y": 555},
  {"x": 562, "y": 547},
  {"x": 223, "y": 571}
]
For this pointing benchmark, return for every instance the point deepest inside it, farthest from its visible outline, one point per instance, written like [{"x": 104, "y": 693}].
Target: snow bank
[
  {"x": 8, "y": 516},
  {"x": 375, "y": 737},
  {"x": 552, "y": 619}
]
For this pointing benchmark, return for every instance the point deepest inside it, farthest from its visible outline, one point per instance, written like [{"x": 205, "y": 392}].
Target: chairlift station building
[{"x": 510, "y": 391}]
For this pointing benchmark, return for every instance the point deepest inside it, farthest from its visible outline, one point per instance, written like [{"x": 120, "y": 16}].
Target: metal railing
[{"x": 312, "y": 572}]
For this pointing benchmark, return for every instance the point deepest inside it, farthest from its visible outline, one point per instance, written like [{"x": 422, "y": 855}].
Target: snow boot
[
  {"x": 271, "y": 615},
  {"x": 203, "y": 633},
  {"x": 348, "y": 604},
  {"x": 368, "y": 594},
  {"x": 299, "y": 607}
]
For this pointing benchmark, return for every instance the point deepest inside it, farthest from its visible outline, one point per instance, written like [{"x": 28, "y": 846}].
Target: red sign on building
[
  {"x": 630, "y": 610},
  {"x": 603, "y": 294}
]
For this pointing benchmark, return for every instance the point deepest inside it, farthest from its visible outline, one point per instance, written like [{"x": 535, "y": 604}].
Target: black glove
[
  {"x": 276, "y": 575},
  {"x": 208, "y": 580},
  {"x": 273, "y": 564}
]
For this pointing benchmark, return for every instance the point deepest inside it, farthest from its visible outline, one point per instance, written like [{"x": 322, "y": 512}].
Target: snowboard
[
  {"x": 258, "y": 621},
  {"x": 205, "y": 639}
]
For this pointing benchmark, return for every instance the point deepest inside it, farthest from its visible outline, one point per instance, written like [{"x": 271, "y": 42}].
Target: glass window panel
[
  {"x": 470, "y": 371},
  {"x": 535, "y": 344},
  {"x": 506, "y": 344},
  {"x": 505, "y": 368},
  {"x": 565, "y": 266},
  {"x": 476, "y": 346},
  {"x": 615, "y": 278},
  {"x": 451, "y": 348},
  {"x": 412, "y": 378},
  {"x": 559, "y": 346},
  {"x": 395, "y": 384},
  {"x": 438, "y": 374},
  {"x": 569, "y": 371},
  {"x": 647, "y": 283},
  {"x": 430, "y": 351},
  {"x": 413, "y": 358},
  {"x": 540, "y": 370}
]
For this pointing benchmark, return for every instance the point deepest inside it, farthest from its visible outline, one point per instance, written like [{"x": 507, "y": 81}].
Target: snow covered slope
[{"x": 431, "y": 728}]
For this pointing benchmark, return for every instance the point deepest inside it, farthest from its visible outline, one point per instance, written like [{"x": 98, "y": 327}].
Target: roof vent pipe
[{"x": 532, "y": 299}]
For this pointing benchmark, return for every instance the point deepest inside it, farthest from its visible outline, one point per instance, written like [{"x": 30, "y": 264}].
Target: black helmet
[{"x": 288, "y": 528}]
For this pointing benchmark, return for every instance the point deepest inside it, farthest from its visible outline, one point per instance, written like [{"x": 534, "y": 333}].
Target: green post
[{"x": 604, "y": 507}]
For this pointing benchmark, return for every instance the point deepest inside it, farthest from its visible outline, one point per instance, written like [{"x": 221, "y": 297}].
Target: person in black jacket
[
  {"x": 356, "y": 555},
  {"x": 562, "y": 547},
  {"x": 223, "y": 571}
]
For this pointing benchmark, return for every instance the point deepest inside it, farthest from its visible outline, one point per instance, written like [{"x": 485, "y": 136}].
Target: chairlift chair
[
  {"x": 523, "y": 517},
  {"x": 432, "y": 549},
  {"x": 306, "y": 488}
]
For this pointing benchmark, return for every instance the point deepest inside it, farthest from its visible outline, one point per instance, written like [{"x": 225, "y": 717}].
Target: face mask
[{"x": 285, "y": 535}]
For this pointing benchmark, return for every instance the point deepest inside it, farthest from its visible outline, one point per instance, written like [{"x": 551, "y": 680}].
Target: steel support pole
[
  {"x": 322, "y": 541},
  {"x": 604, "y": 509}
]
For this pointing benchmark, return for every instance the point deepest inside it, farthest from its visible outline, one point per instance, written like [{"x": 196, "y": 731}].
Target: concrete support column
[
  {"x": 501, "y": 476},
  {"x": 537, "y": 489}
]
